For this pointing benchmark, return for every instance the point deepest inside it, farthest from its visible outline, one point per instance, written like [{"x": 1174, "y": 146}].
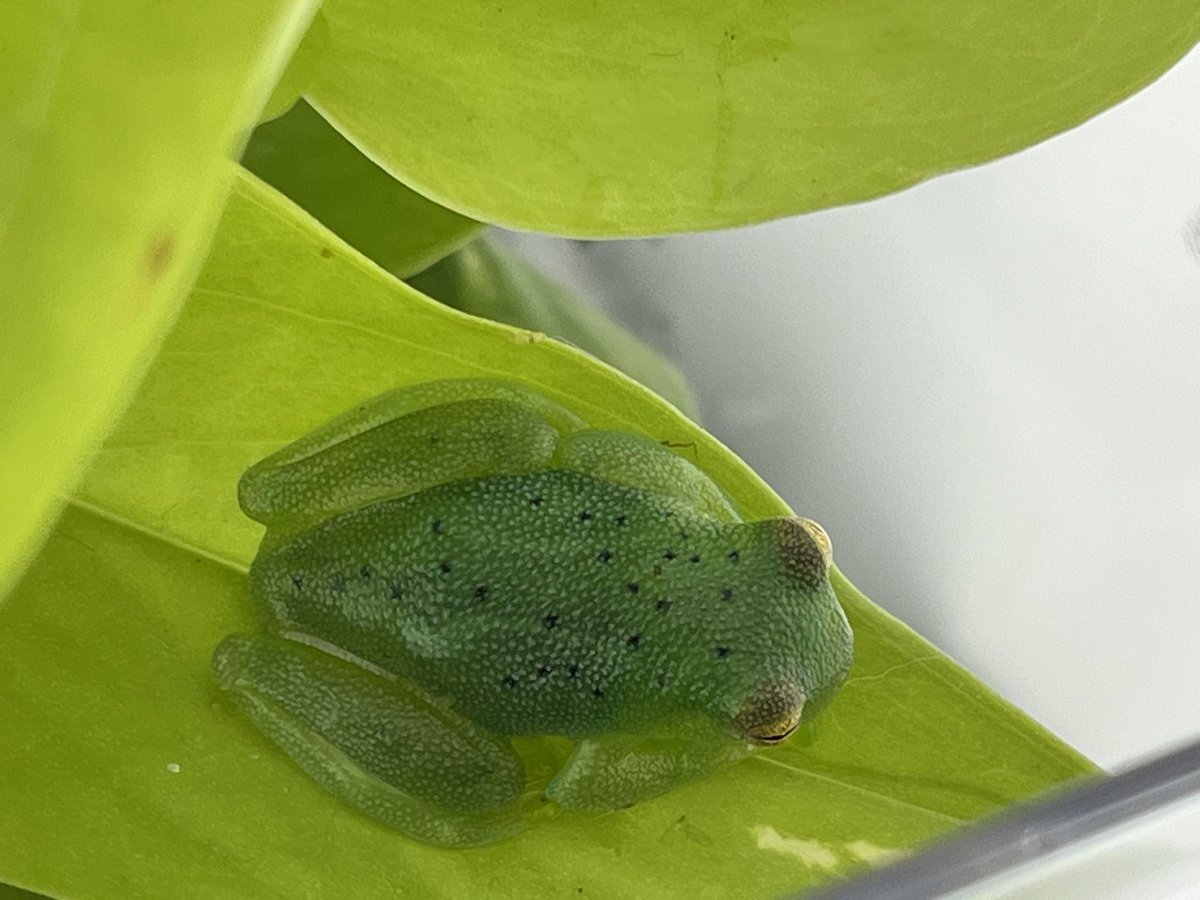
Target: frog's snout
[{"x": 770, "y": 715}]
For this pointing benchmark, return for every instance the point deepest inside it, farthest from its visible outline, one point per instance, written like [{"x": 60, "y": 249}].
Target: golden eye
[
  {"x": 771, "y": 713},
  {"x": 774, "y": 732},
  {"x": 820, "y": 538}
]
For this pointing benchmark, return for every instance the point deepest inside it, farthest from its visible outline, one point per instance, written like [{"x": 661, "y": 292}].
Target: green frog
[{"x": 456, "y": 564}]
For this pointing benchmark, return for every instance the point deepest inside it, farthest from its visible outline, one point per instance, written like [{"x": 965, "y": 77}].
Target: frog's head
[{"x": 803, "y": 647}]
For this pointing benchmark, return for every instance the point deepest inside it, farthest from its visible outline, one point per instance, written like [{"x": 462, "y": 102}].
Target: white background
[{"x": 987, "y": 388}]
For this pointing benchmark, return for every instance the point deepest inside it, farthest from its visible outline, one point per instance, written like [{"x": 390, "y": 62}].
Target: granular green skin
[
  {"x": 553, "y": 603},
  {"x": 454, "y": 564}
]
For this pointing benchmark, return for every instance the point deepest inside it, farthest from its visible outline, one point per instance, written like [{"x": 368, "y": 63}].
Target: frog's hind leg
[
  {"x": 638, "y": 461},
  {"x": 402, "y": 442},
  {"x": 376, "y": 744}
]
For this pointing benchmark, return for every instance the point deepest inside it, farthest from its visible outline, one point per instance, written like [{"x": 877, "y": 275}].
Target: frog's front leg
[
  {"x": 402, "y": 442},
  {"x": 375, "y": 743},
  {"x": 618, "y": 770}
]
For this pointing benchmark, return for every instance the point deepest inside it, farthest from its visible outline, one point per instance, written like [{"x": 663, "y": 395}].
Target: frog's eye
[
  {"x": 774, "y": 732},
  {"x": 820, "y": 538},
  {"x": 770, "y": 715}
]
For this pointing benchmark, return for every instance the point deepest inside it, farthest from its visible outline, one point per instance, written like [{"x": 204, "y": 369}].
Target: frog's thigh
[
  {"x": 616, "y": 771},
  {"x": 638, "y": 461},
  {"x": 402, "y": 442},
  {"x": 374, "y": 743}
]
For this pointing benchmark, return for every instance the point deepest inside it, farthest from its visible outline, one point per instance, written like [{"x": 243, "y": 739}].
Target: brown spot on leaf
[{"x": 159, "y": 254}]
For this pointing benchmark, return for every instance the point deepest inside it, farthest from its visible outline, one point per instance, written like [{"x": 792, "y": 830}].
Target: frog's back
[{"x": 552, "y": 602}]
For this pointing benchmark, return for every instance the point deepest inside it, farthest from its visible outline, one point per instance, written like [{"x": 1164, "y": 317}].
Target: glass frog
[{"x": 460, "y": 563}]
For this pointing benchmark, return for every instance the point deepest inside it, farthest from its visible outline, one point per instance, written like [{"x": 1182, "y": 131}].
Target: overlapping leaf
[
  {"x": 637, "y": 117},
  {"x": 307, "y": 159},
  {"x": 115, "y": 121}
]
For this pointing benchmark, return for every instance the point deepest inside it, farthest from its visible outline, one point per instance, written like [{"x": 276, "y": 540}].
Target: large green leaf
[
  {"x": 485, "y": 279},
  {"x": 114, "y": 120},
  {"x": 648, "y": 116},
  {"x": 115, "y": 740},
  {"x": 306, "y": 158}
]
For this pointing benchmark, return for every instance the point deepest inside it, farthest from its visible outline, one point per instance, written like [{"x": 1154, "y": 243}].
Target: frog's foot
[
  {"x": 375, "y": 743},
  {"x": 616, "y": 771},
  {"x": 402, "y": 442}
]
